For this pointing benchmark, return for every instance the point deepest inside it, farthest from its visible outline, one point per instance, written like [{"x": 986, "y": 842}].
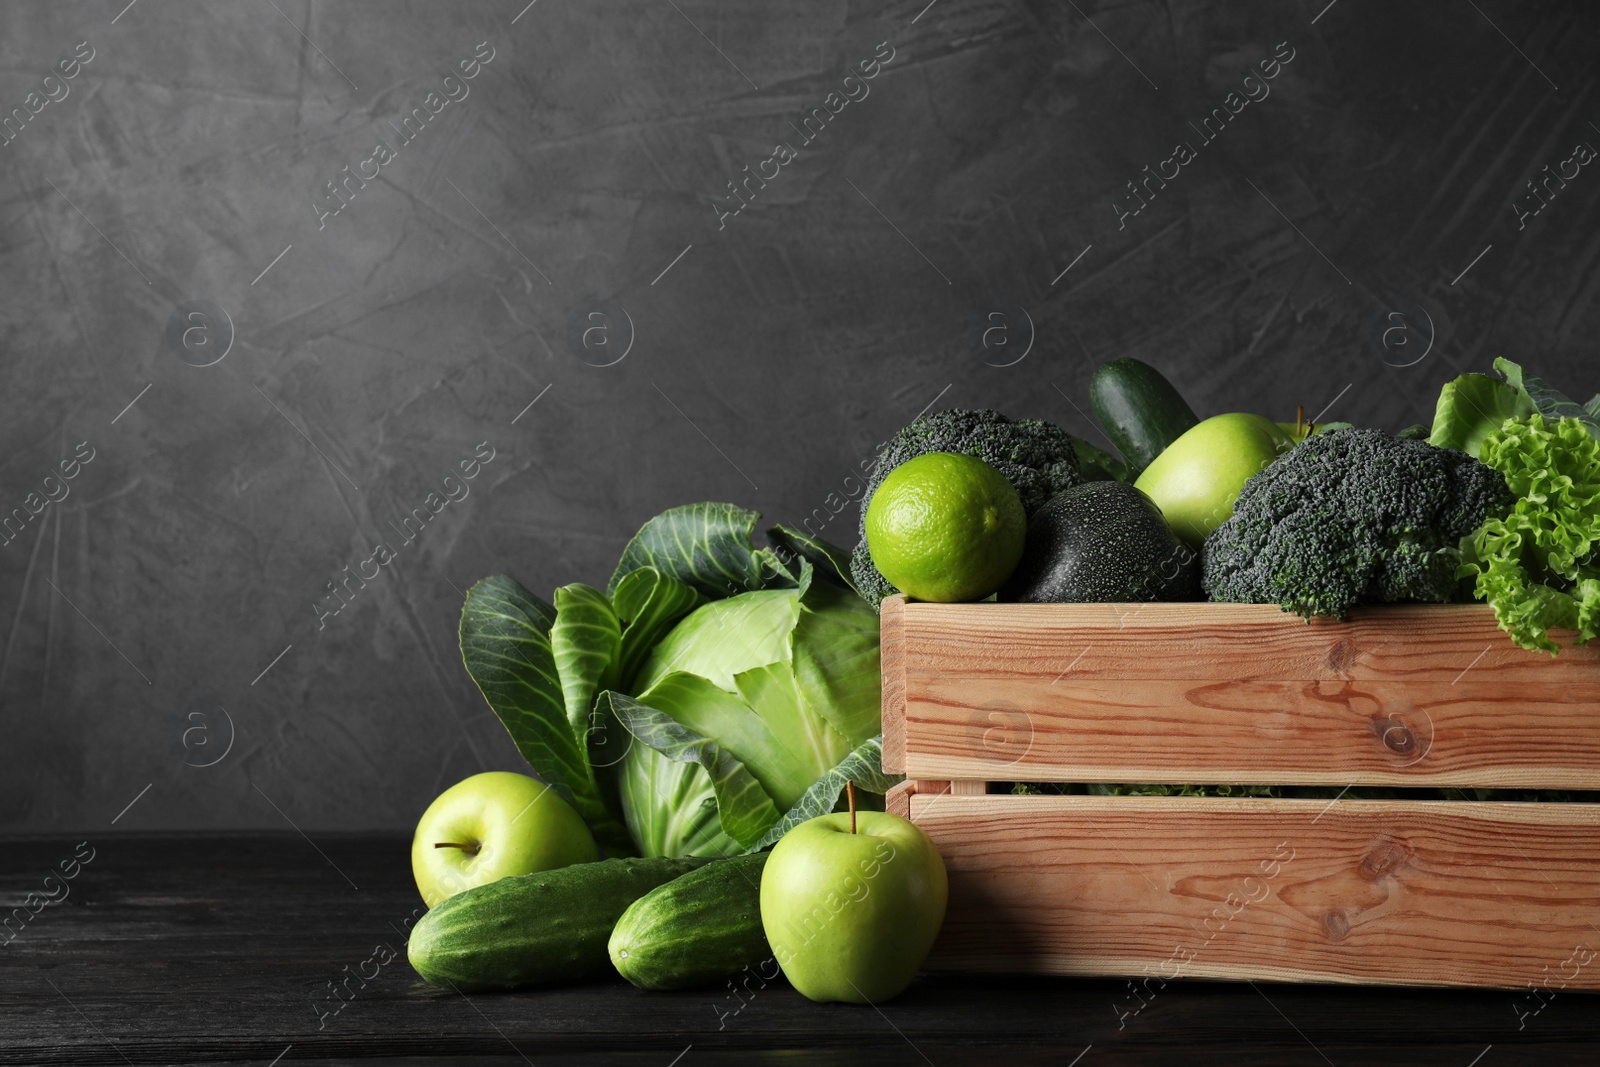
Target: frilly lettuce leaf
[{"x": 1537, "y": 565}]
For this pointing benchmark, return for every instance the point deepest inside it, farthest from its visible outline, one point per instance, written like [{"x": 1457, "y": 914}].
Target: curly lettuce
[{"x": 1539, "y": 565}]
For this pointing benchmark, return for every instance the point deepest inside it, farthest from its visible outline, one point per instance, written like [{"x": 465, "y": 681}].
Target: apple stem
[
  {"x": 850, "y": 791},
  {"x": 1299, "y": 418},
  {"x": 472, "y": 849}
]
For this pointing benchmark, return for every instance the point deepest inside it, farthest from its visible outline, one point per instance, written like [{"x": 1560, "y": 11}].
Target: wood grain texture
[
  {"x": 1232, "y": 642},
  {"x": 1393, "y": 893},
  {"x": 1401, "y": 695},
  {"x": 897, "y": 801},
  {"x": 892, "y": 645}
]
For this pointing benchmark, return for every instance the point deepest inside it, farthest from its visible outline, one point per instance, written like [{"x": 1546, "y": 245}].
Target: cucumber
[
  {"x": 695, "y": 930},
  {"x": 530, "y": 929},
  {"x": 1139, "y": 410}
]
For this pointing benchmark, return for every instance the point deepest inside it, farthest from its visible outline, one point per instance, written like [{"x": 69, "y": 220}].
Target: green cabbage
[
  {"x": 787, "y": 684},
  {"x": 714, "y": 695}
]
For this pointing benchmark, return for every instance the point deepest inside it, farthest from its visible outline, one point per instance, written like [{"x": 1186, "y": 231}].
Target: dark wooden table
[{"x": 208, "y": 949}]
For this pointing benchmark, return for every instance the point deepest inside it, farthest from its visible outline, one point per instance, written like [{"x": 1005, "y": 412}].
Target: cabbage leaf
[
  {"x": 863, "y": 766},
  {"x": 1471, "y": 408},
  {"x": 744, "y": 809},
  {"x": 706, "y": 547},
  {"x": 506, "y": 645},
  {"x": 586, "y": 641},
  {"x": 1546, "y": 399},
  {"x": 1474, "y": 406},
  {"x": 649, "y": 603}
]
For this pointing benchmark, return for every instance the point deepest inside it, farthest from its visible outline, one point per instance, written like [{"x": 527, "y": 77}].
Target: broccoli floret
[
  {"x": 1352, "y": 517},
  {"x": 1035, "y": 456}
]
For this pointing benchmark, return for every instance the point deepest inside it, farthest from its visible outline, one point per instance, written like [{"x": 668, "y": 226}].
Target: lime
[{"x": 945, "y": 527}]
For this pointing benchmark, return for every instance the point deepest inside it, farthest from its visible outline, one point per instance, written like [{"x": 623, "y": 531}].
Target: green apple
[
  {"x": 1301, "y": 428},
  {"x": 852, "y": 915},
  {"x": 491, "y": 826},
  {"x": 1196, "y": 479},
  {"x": 1306, "y": 429}
]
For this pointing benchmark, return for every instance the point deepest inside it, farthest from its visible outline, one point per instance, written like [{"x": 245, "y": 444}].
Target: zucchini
[
  {"x": 695, "y": 930},
  {"x": 1139, "y": 410},
  {"x": 530, "y": 929}
]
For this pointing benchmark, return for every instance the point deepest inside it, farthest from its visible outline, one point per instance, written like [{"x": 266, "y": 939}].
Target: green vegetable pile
[
  {"x": 712, "y": 696},
  {"x": 1501, "y": 503},
  {"x": 715, "y": 695},
  {"x": 1038, "y": 458}
]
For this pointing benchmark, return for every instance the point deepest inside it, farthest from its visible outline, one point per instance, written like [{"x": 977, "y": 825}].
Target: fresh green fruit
[
  {"x": 1197, "y": 479},
  {"x": 945, "y": 527},
  {"x": 491, "y": 826},
  {"x": 1103, "y": 542},
  {"x": 700, "y": 928},
  {"x": 851, "y": 916},
  {"x": 534, "y": 928},
  {"x": 1139, "y": 410}
]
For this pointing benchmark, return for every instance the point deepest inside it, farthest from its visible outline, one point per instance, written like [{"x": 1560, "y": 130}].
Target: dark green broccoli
[
  {"x": 1035, "y": 456},
  {"x": 1352, "y": 517}
]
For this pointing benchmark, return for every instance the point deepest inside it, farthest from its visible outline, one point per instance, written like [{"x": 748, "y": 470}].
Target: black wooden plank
[{"x": 199, "y": 949}]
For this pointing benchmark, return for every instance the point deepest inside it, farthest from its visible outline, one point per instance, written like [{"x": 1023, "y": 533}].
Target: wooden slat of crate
[
  {"x": 1227, "y": 642},
  {"x": 1402, "y": 695},
  {"x": 1401, "y": 893}
]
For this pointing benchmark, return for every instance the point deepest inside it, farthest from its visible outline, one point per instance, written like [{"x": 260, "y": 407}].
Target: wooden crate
[{"x": 1402, "y": 892}]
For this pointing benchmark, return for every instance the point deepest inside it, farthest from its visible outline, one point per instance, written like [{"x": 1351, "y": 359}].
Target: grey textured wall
[{"x": 1308, "y": 253}]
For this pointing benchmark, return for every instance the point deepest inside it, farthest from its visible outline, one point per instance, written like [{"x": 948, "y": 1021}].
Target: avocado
[{"x": 1102, "y": 542}]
